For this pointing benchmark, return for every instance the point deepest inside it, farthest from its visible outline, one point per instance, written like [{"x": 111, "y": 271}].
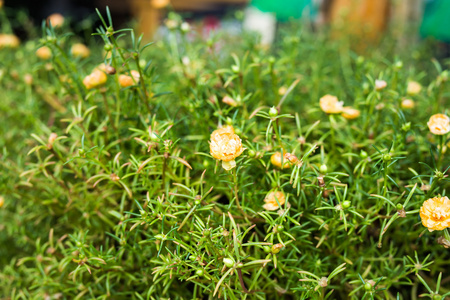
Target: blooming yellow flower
[
  {"x": 57, "y": 20},
  {"x": 350, "y": 113},
  {"x": 408, "y": 104},
  {"x": 230, "y": 101},
  {"x": 435, "y": 213},
  {"x": 44, "y": 53},
  {"x": 439, "y": 124},
  {"x": 380, "y": 84},
  {"x": 331, "y": 105},
  {"x": 413, "y": 88},
  {"x": 2, "y": 201},
  {"x": 95, "y": 79},
  {"x": 271, "y": 200},
  {"x": 225, "y": 145},
  {"x": 126, "y": 80},
  {"x": 80, "y": 50},
  {"x": 275, "y": 159},
  {"x": 9, "y": 41}
]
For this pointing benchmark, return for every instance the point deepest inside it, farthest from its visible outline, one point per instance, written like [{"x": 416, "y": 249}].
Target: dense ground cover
[{"x": 115, "y": 183}]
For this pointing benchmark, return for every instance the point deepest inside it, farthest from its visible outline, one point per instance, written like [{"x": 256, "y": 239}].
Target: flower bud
[
  {"x": 398, "y": 65},
  {"x": 367, "y": 286},
  {"x": 192, "y": 258},
  {"x": 108, "y": 47},
  {"x": 185, "y": 27},
  {"x": 235, "y": 69},
  {"x": 276, "y": 248},
  {"x": 387, "y": 157},
  {"x": 406, "y": 126},
  {"x": 56, "y": 20},
  {"x": 199, "y": 272},
  {"x": 80, "y": 50},
  {"x": 266, "y": 249},
  {"x": 228, "y": 262},
  {"x": 323, "y": 169},
  {"x": 407, "y": 104},
  {"x": 160, "y": 236},
  {"x": 44, "y": 53},
  {"x": 346, "y": 204},
  {"x": 360, "y": 60},
  {"x": 363, "y": 154},
  {"x": 380, "y": 84},
  {"x": 9, "y": 41},
  {"x": 28, "y": 78},
  {"x": 273, "y": 112}
]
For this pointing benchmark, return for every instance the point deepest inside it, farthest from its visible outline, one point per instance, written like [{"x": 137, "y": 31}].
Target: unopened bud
[
  {"x": 273, "y": 112},
  {"x": 228, "y": 262},
  {"x": 276, "y": 248}
]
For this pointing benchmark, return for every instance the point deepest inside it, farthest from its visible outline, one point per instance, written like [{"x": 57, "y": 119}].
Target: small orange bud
[
  {"x": 9, "y": 41},
  {"x": 56, "y": 20},
  {"x": 126, "y": 81},
  {"x": 80, "y": 50},
  {"x": 44, "y": 53},
  {"x": 96, "y": 79}
]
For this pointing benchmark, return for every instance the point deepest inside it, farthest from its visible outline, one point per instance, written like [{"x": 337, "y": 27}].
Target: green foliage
[{"x": 119, "y": 197}]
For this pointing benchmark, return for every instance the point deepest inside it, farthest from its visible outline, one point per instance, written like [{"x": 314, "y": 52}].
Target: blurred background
[{"x": 365, "y": 20}]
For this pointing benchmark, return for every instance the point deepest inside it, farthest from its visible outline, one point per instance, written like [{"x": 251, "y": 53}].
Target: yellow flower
[
  {"x": 439, "y": 124},
  {"x": 57, "y": 20},
  {"x": 435, "y": 213},
  {"x": 126, "y": 80},
  {"x": 44, "y": 53},
  {"x": 225, "y": 145},
  {"x": 413, "y": 88},
  {"x": 2, "y": 201},
  {"x": 80, "y": 50},
  {"x": 275, "y": 159},
  {"x": 350, "y": 113},
  {"x": 9, "y": 41},
  {"x": 330, "y": 104},
  {"x": 158, "y": 4},
  {"x": 271, "y": 200},
  {"x": 95, "y": 79},
  {"x": 380, "y": 84},
  {"x": 408, "y": 104},
  {"x": 230, "y": 101}
]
